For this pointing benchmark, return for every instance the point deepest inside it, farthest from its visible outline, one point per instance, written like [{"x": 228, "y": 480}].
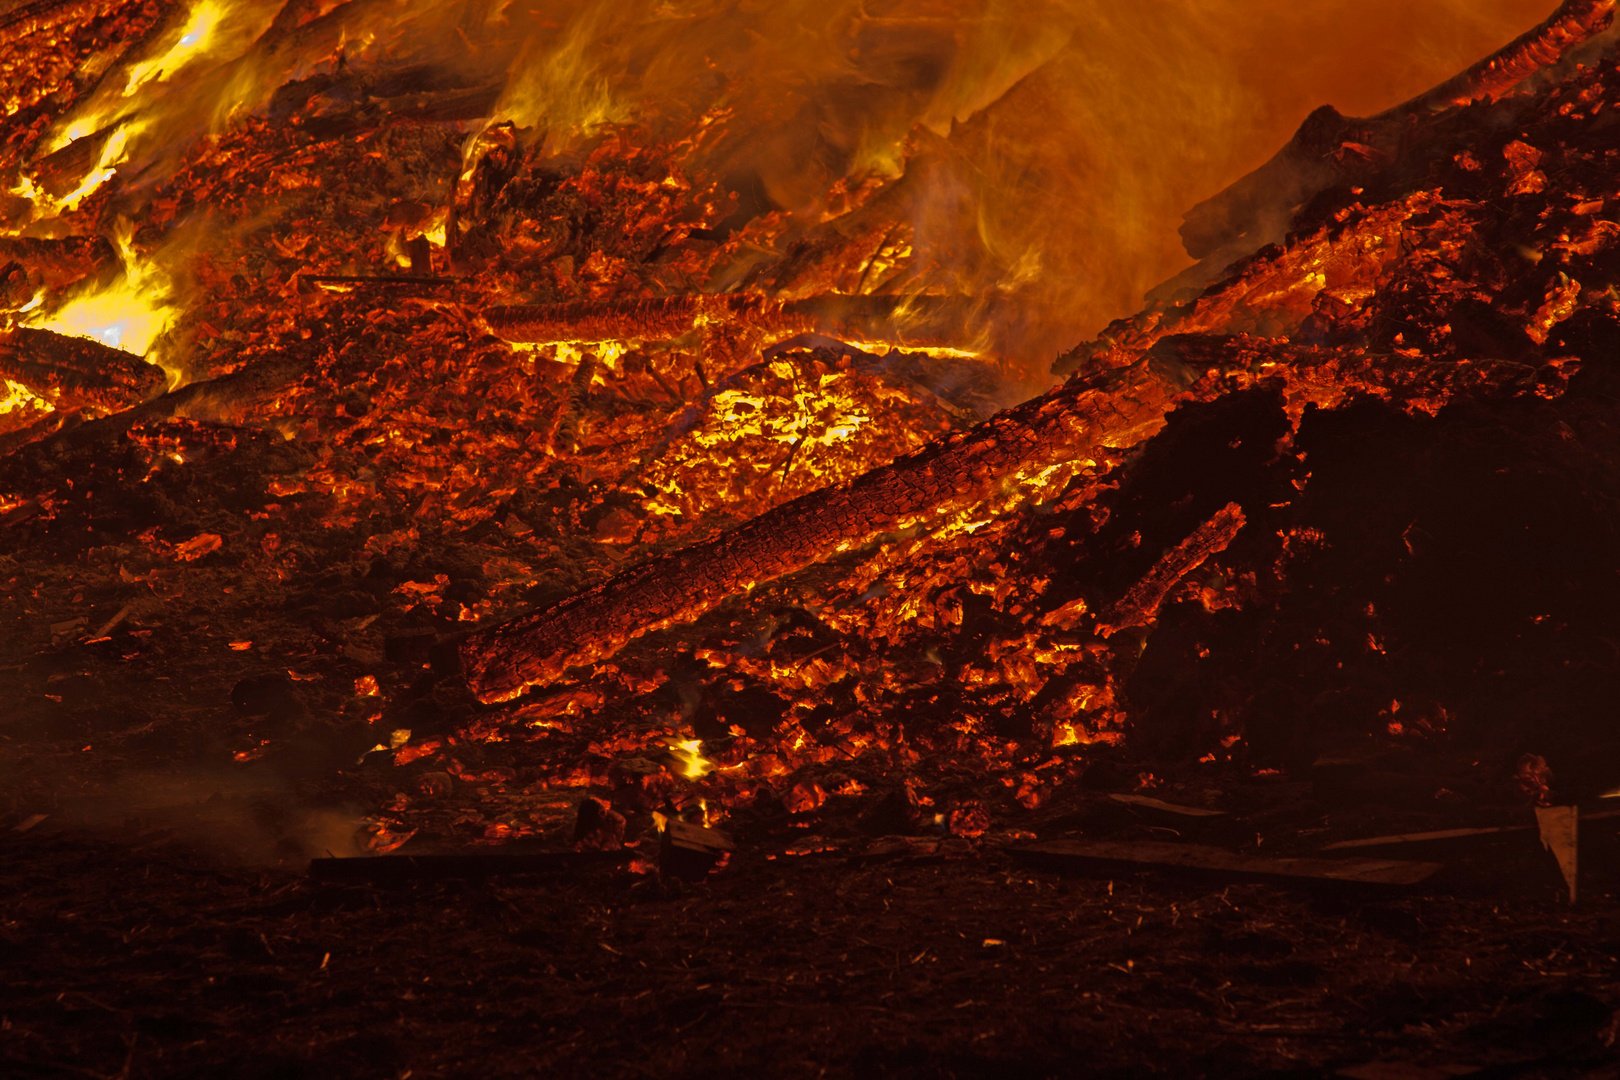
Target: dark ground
[{"x": 128, "y": 955}]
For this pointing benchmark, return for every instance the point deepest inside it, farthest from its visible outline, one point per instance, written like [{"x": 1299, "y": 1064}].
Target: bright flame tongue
[
  {"x": 117, "y": 109},
  {"x": 15, "y": 396},
  {"x": 124, "y": 317},
  {"x": 195, "y": 38},
  {"x": 130, "y": 314}
]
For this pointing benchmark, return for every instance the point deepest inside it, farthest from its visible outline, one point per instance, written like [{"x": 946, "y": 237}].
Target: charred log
[
  {"x": 1139, "y": 606},
  {"x": 916, "y": 321},
  {"x": 42, "y": 15},
  {"x": 54, "y": 263},
  {"x": 224, "y": 398},
  {"x": 1084, "y": 419},
  {"x": 1118, "y": 407},
  {"x": 75, "y": 372},
  {"x": 1575, "y": 22},
  {"x": 1330, "y": 148}
]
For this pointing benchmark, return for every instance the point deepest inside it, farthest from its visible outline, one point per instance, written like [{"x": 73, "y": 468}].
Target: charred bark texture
[
  {"x": 224, "y": 398},
  {"x": 1141, "y": 605},
  {"x": 75, "y": 373},
  {"x": 1119, "y": 409},
  {"x": 32, "y": 18},
  {"x": 1084, "y": 418},
  {"x": 1575, "y": 22},
  {"x": 918, "y": 321}
]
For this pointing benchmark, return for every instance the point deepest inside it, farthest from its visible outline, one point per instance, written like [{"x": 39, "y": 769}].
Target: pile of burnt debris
[{"x": 627, "y": 570}]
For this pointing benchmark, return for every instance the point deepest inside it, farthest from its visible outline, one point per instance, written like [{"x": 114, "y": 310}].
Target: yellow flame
[
  {"x": 130, "y": 314},
  {"x": 18, "y": 397},
  {"x": 689, "y": 753},
  {"x": 114, "y": 152},
  {"x": 195, "y": 38},
  {"x": 133, "y": 107}
]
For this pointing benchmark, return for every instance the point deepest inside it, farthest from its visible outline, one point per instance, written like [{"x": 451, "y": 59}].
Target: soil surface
[{"x": 130, "y": 954}]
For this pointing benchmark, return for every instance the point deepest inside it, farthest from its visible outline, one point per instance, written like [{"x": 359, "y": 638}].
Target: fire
[
  {"x": 154, "y": 99},
  {"x": 688, "y": 753},
  {"x": 196, "y": 35},
  {"x": 659, "y": 184},
  {"x": 18, "y": 398},
  {"x": 130, "y": 314}
]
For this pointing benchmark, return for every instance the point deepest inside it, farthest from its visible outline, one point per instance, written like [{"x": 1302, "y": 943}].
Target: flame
[
  {"x": 18, "y": 398},
  {"x": 195, "y": 38},
  {"x": 154, "y": 101},
  {"x": 1045, "y": 151},
  {"x": 689, "y": 754},
  {"x": 130, "y": 314}
]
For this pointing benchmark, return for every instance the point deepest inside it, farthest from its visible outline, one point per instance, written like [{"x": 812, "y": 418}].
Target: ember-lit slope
[
  {"x": 1404, "y": 411},
  {"x": 428, "y": 372}
]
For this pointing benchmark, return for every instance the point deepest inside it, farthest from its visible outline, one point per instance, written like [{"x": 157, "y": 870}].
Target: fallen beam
[
  {"x": 395, "y": 869},
  {"x": 1110, "y": 857},
  {"x": 1080, "y": 423},
  {"x": 1258, "y": 206},
  {"x": 916, "y": 321},
  {"x": 223, "y": 398}
]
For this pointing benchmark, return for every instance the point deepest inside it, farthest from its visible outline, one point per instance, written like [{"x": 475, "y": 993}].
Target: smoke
[
  {"x": 1062, "y": 138},
  {"x": 234, "y": 819}
]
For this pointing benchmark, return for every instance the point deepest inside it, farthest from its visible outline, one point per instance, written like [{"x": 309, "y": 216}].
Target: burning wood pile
[{"x": 492, "y": 474}]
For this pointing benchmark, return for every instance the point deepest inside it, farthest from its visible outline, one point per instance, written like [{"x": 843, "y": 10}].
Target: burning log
[
  {"x": 1329, "y": 147},
  {"x": 917, "y": 321},
  {"x": 579, "y": 392},
  {"x": 1139, "y": 606},
  {"x": 1575, "y": 22},
  {"x": 55, "y": 263},
  {"x": 44, "y": 15},
  {"x": 223, "y": 398},
  {"x": 1118, "y": 408},
  {"x": 75, "y": 373},
  {"x": 1081, "y": 421}
]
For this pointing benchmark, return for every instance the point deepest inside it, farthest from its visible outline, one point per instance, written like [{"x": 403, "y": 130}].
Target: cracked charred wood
[
  {"x": 1141, "y": 605},
  {"x": 1119, "y": 408},
  {"x": 917, "y": 321},
  {"x": 276, "y": 51},
  {"x": 1332, "y": 148},
  {"x": 53, "y": 264},
  {"x": 60, "y": 171},
  {"x": 1085, "y": 418},
  {"x": 566, "y": 437},
  {"x": 28, "y": 19},
  {"x": 436, "y": 107},
  {"x": 1270, "y": 293},
  {"x": 75, "y": 372},
  {"x": 224, "y": 398},
  {"x": 1575, "y": 22}
]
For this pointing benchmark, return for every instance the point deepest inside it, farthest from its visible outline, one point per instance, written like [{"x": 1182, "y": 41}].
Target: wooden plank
[
  {"x": 1197, "y": 858},
  {"x": 1438, "y": 836},
  {"x": 1404, "y": 1070},
  {"x": 1559, "y": 826},
  {"x": 1449, "y": 837},
  {"x": 393, "y": 869},
  {"x": 692, "y": 851},
  {"x": 1147, "y": 802}
]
